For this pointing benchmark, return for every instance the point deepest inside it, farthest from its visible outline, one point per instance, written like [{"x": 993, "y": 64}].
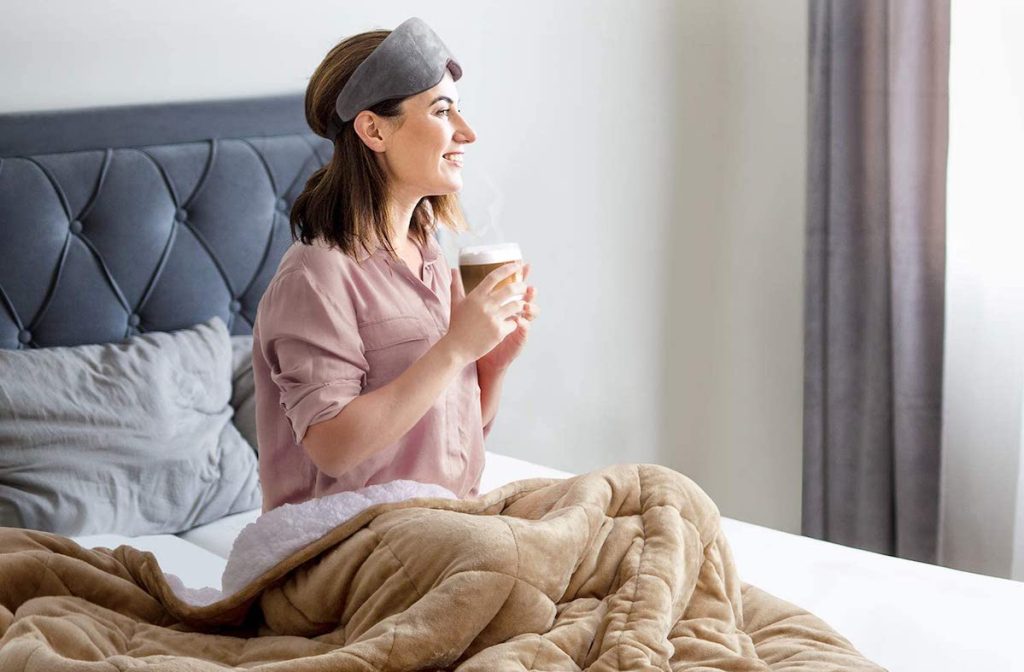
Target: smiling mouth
[{"x": 454, "y": 159}]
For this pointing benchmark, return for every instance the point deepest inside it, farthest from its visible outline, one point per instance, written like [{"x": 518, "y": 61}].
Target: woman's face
[{"x": 423, "y": 148}]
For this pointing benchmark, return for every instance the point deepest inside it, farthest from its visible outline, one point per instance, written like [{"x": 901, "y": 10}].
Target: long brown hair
[{"x": 346, "y": 201}]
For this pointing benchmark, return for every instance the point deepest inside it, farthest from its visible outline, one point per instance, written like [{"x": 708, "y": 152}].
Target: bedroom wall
[
  {"x": 735, "y": 406},
  {"x": 647, "y": 157}
]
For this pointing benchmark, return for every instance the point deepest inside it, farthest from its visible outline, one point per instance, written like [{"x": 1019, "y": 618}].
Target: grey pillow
[
  {"x": 243, "y": 389},
  {"x": 129, "y": 438}
]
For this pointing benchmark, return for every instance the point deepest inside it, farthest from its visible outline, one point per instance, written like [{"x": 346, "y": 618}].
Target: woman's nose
[{"x": 465, "y": 131}]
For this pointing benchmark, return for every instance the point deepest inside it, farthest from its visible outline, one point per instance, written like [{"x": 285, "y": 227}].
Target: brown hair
[{"x": 345, "y": 201}]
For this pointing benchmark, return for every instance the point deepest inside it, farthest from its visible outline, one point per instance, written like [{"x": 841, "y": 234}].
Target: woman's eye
[{"x": 442, "y": 112}]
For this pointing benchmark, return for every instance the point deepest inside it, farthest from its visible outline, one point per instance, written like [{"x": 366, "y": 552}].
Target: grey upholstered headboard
[{"x": 119, "y": 220}]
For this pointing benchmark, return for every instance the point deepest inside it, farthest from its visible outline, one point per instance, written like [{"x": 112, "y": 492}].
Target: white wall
[
  {"x": 648, "y": 156},
  {"x": 983, "y": 473},
  {"x": 735, "y": 403}
]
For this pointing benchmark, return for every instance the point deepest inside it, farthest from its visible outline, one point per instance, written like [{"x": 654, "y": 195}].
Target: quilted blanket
[{"x": 624, "y": 568}]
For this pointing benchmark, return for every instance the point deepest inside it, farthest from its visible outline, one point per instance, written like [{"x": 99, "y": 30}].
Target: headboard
[{"x": 120, "y": 220}]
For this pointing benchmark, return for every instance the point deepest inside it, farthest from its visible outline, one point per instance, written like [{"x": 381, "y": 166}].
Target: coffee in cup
[{"x": 476, "y": 261}]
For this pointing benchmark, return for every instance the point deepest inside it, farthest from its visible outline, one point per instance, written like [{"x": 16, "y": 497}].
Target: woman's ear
[{"x": 369, "y": 127}]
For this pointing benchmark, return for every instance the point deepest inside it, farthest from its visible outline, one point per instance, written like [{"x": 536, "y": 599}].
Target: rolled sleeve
[{"x": 312, "y": 346}]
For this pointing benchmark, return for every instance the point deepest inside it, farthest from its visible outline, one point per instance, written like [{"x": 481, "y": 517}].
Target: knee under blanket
[{"x": 624, "y": 568}]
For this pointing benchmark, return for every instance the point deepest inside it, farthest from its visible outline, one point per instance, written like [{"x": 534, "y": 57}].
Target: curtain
[{"x": 878, "y": 121}]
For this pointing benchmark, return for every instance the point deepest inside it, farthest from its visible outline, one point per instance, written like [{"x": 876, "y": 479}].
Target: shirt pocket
[{"x": 390, "y": 346}]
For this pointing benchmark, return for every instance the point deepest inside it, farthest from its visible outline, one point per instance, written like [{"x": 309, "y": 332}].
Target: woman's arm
[
  {"x": 372, "y": 421},
  {"x": 491, "y": 368},
  {"x": 490, "y": 394}
]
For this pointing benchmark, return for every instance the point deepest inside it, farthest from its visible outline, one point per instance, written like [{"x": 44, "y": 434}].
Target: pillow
[
  {"x": 128, "y": 438},
  {"x": 243, "y": 389}
]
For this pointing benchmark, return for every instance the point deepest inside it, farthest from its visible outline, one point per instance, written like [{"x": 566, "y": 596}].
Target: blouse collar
[{"x": 430, "y": 253}]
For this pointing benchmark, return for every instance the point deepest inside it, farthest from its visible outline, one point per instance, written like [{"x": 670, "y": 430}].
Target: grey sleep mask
[{"x": 410, "y": 60}]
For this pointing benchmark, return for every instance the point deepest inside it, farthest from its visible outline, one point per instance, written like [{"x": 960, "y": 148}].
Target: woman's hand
[
  {"x": 479, "y": 321},
  {"x": 511, "y": 346}
]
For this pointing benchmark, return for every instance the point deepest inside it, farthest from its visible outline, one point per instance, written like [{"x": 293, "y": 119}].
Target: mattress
[{"x": 906, "y": 616}]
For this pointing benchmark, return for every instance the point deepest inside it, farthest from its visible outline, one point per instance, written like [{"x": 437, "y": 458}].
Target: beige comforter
[{"x": 625, "y": 568}]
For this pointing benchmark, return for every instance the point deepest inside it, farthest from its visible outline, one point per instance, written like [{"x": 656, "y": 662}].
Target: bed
[{"x": 245, "y": 161}]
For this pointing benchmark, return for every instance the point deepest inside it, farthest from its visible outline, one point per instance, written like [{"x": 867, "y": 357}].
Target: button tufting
[
  {"x": 25, "y": 336},
  {"x": 76, "y": 227},
  {"x": 282, "y": 205},
  {"x": 133, "y": 320},
  {"x": 235, "y": 306},
  {"x": 180, "y": 215}
]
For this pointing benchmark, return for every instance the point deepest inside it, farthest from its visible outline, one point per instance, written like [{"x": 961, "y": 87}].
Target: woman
[{"x": 370, "y": 362}]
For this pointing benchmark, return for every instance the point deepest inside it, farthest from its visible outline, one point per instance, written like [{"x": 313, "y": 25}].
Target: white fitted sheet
[
  {"x": 217, "y": 537},
  {"x": 195, "y": 566},
  {"x": 906, "y": 616}
]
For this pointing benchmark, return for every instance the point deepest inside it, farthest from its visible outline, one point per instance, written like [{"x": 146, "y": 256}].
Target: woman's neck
[{"x": 400, "y": 214}]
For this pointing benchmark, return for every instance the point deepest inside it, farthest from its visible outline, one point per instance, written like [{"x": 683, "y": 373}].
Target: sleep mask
[{"x": 410, "y": 60}]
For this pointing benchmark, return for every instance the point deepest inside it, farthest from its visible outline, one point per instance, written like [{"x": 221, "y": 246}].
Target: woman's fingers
[
  {"x": 511, "y": 309},
  {"x": 516, "y": 290},
  {"x": 497, "y": 275}
]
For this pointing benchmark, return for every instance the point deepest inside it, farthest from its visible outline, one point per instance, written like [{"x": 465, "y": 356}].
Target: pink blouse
[{"x": 329, "y": 328}]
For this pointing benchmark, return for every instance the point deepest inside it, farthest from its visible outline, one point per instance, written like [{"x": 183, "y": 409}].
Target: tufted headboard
[{"x": 120, "y": 220}]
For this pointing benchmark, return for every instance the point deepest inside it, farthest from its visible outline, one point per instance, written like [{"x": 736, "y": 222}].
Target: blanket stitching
[
  {"x": 280, "y": 590},
  {"x": 722, "y": 583},
  {"x": 47, "y": 570},
  {"x": 519, "y": 563},
  {"x": 536, "y": 652},
  {"x": 394, "y": 638},
  {"x": 39, "y": 646},
  {"x": 517, "y": 578},
  {"x": 512, "y": 588},
  {"x": 384, "y": 543},
  {"x": 354, "y": 655},
  {"x": 515, "y": 540},
  {"x": 639, "y": 566},
  {"x": 401, "y": 565},
  {"x": 738, "y": 624}
]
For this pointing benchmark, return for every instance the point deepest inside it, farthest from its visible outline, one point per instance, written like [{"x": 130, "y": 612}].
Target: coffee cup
[{"x": 476, "y": 261}]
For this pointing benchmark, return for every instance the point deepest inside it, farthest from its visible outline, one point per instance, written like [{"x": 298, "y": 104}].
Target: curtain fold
[{"x": 875, "y": 273}]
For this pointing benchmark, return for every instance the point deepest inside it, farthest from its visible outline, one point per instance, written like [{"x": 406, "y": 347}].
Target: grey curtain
[{"x": 875, "y": 273}]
